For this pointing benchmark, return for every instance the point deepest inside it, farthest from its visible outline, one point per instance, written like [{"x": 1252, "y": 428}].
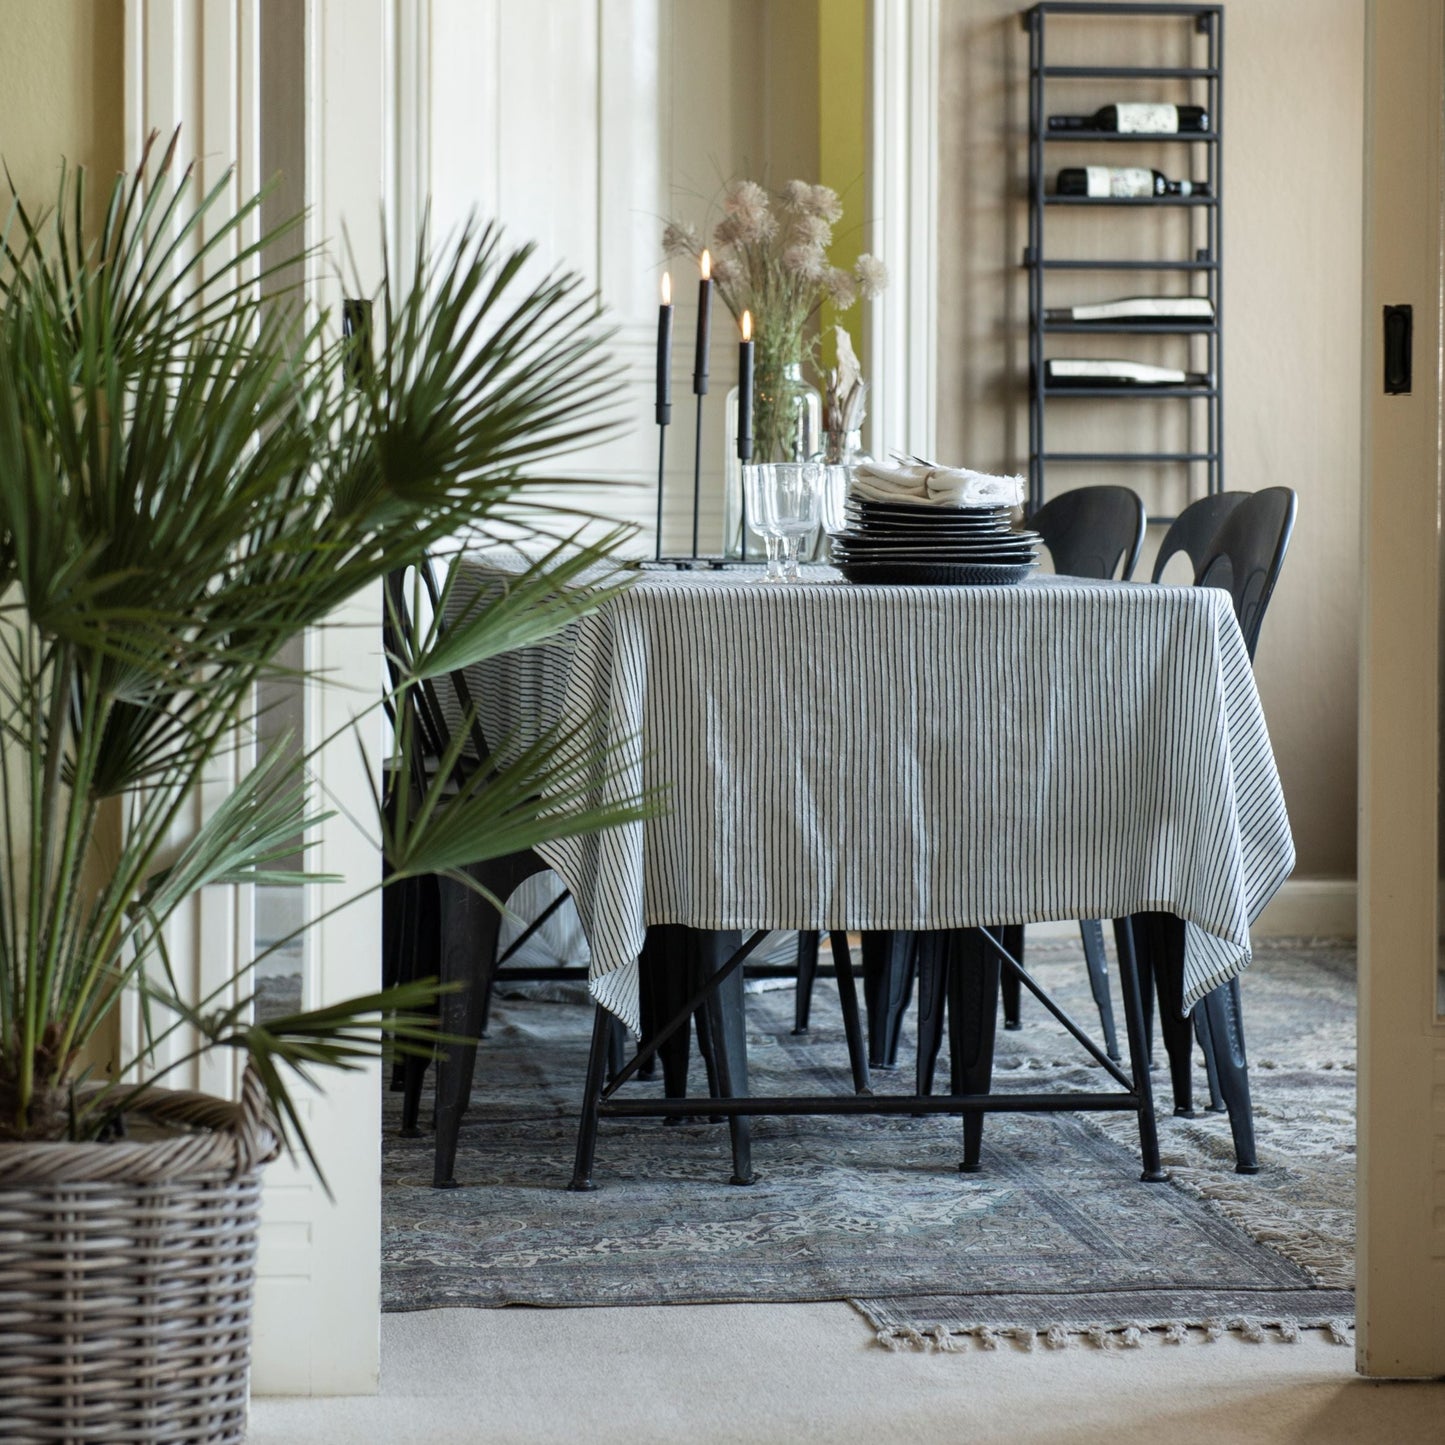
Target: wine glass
[{"x": 783, "y": 504}]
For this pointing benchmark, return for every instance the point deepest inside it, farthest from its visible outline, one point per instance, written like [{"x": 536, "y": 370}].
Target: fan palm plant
[{"x": 191, "y": 474}]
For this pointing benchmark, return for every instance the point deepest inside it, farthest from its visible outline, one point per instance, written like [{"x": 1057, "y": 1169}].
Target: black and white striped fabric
[{"x": 837, "y": 756}]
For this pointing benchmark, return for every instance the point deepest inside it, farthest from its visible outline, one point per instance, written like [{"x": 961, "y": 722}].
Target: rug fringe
[{"x": 1128, "y": 1336}]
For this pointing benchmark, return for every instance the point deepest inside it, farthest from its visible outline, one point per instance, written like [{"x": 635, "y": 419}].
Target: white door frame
[
  {"x": 901, "y": 333},
  {"x": 1400, "y": 1261},
  {"x": 196, "y": 63}
]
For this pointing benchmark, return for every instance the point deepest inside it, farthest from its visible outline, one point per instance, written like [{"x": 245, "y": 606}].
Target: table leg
[
  {"x": 887, "y": 984},
  {"x": 1091, "y": 930},
  {"x": 1138, "y": 1052},
  {"x": 807, "y": 972},
  {"x": 848, "y": 1000},
  {"x": 726, "y": 1020},
  {"x": 1012, "y": 939},
  {"x": 1226, "y": 1027},
  {"x": 1163, "y": 947},
  {"x": 591, "y": 1101},
  {"x": 973, "y": 990}
]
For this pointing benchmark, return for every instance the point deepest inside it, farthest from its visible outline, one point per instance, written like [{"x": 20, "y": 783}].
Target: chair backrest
[
  {"x": 1193, "y": 531},
  {"x": 1091, "y": 531},
  {"x": 1248, "y": 553}
]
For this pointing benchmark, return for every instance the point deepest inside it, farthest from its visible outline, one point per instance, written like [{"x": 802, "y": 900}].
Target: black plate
[
  {"x": 863, "y": 523},
  {"x": 928, "y": 509},
  {"x": 844, "y": 556},
  {"x": 935, "y": 574},
  {"x": 929, "y": 541}
]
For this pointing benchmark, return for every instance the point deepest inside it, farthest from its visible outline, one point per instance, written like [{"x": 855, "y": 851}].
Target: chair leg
[
  {"x": 1091, "y": 930},
  {"x": 666, "y": 983},
  {"x": 1205, "y": 1035},
  {"x": 1010, "y": 988},
  {"x": 727, "y": 1023},
  {"x": 1138, "y": 1052},
  {"x": 616, "y": 1049},
  {"x": 848, "y": 1001},
  {"x": 395, "y": 945},
  {"x": 703, "y": 1024},
  {"x": 422, "y": 960},
  {"x": 887, "y": 985},
  {"x": 591, "y": 1102},
  {"x": 807, "y": 972},
  {"x": 973, "y": 992},
  {"x": 1164, "y": 947},
  {"x": 1224, "y": 1009},
  {"x": 933, "y": 948},
  {"x": 465, "y": 919}
]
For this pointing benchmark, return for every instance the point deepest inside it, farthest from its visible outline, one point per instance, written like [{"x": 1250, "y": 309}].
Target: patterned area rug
[{"x": 1056, "y": 1238}]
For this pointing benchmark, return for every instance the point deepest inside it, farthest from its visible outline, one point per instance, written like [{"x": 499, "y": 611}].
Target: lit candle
[
  {"x": 745, "y": 390},
  {"x": 664, "y": 353},
  {"x": 704, "y": 327}
]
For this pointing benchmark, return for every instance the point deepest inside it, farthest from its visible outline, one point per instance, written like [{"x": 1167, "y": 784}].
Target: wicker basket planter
[{"x": 126, "y": 1277}]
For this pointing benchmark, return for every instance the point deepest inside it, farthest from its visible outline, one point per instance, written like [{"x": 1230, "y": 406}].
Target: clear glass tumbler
[{"x": 784, "y": 499}]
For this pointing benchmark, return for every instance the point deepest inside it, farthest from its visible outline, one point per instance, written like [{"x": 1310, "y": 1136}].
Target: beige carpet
[{"x": 804, "y": 1373}]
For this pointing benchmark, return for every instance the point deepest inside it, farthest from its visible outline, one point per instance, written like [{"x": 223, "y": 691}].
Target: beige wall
[
  {"x": 61, "y": 96},
  {"x": 61, "y": 91},
  {"x": 1293, "y": 123}
]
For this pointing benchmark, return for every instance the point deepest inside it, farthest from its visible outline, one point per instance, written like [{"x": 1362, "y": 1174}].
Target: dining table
[{"x": 940, "y": 760}]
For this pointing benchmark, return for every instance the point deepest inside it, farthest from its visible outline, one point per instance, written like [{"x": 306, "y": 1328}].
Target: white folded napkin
[{"x": 921, "y": 483}]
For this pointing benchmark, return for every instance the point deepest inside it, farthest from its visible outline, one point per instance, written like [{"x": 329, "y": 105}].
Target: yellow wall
[
  {"x": 842, "y": 143},
  {"x": 1293, "y": 149},
  {"x": 61, "y": 92}
]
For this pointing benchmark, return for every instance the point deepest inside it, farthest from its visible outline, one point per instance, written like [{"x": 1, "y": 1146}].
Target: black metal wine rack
[{"x": 1205, "y": 265}]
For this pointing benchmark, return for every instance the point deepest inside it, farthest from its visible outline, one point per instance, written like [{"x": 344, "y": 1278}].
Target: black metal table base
[{"x": 968, "y": 964}]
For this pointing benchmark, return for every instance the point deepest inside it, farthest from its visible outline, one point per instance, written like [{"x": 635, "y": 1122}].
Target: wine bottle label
[
  {"x": 1136, "y": 118},
  {"x": 1103, "y": 181}
]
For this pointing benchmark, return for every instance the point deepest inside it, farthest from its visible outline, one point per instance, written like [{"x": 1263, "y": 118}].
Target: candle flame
[
  {"x": 667, "y": 288},
  {"x": 747, "y": 325},
  {"x": 706, "y": 265}
]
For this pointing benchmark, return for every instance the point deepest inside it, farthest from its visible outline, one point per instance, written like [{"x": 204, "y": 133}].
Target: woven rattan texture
[{"x": 126, "y": 1274}]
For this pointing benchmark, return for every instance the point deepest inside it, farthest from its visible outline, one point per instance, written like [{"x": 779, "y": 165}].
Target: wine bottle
[
  {"x": 1092, "y": 372},
  {"x": 1127, "y": 182},
  {"x": 1142, "y": 309},
  {"x": 1137, "y": 118}
]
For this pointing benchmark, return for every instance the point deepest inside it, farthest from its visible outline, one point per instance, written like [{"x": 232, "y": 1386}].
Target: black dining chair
[
  {"x": 437, "y": 927},
  {"x": 1193, "y": 532},
  {"x": 1093, "y": 531},
  {"x": 1245, "y": 557},
  {"x": 451, "y": 931}
]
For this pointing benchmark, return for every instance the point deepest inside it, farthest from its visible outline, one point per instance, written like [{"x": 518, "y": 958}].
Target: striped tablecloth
[{"x": 837, "y": 756}]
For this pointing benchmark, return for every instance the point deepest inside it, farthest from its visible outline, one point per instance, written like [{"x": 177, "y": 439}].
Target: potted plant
[{"x": 192, "y": 473}]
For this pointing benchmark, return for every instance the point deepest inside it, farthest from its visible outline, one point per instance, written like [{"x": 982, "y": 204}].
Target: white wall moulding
[
  {"x": 1311, "y": 908},
  {"x": 901, "y": 339}
]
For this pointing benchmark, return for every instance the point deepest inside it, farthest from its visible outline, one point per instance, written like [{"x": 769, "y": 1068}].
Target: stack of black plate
[{"x": 952, "y": 546}]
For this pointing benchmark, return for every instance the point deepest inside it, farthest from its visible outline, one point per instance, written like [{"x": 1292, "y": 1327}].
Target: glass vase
[{"x": 787, "y": 427}]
